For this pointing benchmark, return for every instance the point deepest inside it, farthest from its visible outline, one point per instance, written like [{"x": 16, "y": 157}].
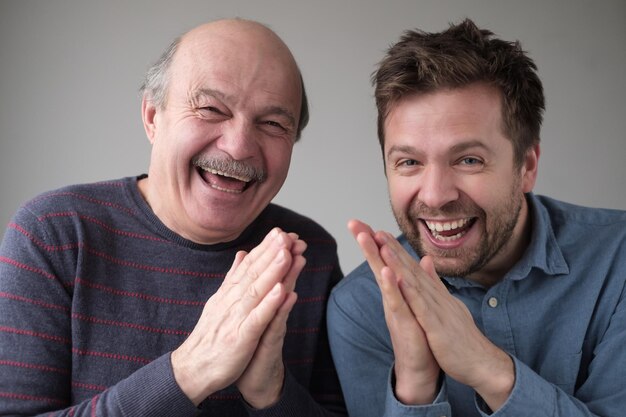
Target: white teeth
[
  {"x": 228, "y": 190},
  {"x": 437, "y": 227},
  {"x": 223, "y": 174},
  {"x": 449, "y": 238},
  {"x": 441, "y": 226}
]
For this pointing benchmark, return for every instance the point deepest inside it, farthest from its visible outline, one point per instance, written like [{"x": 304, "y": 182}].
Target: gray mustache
[{"x": 231, "y": 167}]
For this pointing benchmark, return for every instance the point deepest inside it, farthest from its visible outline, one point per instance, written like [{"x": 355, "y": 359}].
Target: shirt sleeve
[
  {"x": 603, "y": 393},
  {"x": 363, "y": 354}
]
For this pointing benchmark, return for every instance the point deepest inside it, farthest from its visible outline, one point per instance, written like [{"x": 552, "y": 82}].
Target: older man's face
[{"x": 222, "y": 145}]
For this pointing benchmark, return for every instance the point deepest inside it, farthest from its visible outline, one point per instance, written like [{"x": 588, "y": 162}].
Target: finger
[
  {"x": 261, "y": 316},
  {"x": 297, "y": 265},
  {"x": 428, "y": 265},
  {"x": 372, "y": 253},
  {"x": 265, "y": 260},
  {"x": 411, "y": 276},
  {"x": 275, "y": 332},
  {"x": 255, "y": 290},
  {"x": 393, "y": 301},
  {"x": 262, "y": 253},
  {"x": 239, "y": 256},
  {"x": 356, "y": 227},
  {"x": 405, "y": 259},
  {"x": 298, "y": 248}
]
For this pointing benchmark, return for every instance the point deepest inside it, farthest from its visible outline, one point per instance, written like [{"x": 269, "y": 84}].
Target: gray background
[{"x": 70, "y": 111}]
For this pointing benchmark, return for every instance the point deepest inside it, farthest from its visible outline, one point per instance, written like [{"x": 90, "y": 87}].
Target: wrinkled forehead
[{"x": 243, "y": 58}]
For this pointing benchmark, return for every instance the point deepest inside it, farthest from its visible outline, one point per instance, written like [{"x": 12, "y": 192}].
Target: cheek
[
  {"x": 401, "y": 193},
  {"x": 277, "y": 161}
]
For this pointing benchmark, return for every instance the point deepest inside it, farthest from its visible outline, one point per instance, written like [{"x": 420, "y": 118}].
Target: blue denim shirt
[{"x": 560, "y": 313}]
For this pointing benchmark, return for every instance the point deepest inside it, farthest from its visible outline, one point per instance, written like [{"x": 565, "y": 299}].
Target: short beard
[{"x": 495, "y": 235}]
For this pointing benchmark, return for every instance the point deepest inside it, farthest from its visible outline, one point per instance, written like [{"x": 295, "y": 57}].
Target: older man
[
  {"x": 104, "y": 287},
  {"x": 529, "y": 315}
]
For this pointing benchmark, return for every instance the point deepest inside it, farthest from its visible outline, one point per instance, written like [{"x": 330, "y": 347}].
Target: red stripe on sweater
[
  {"x": 139, "y": 295},
  {"x": 94, "y": 403},
  {"x": 311, "y": 300},
  {"x": 32, "y": 301},
  {"x": 27, "y": 267},
  {"x": 86, "y": 198},
  {"x": 175, "y": 271},
  {"x": 43, "y": 245},
  {"x": 25, "y": 397},
  {"x": 35, "y": 334},
  {"x": 135, "y": 326},
  {"x": 103, "y": 225},
  {"x": 91, "y": 387},
  {"x": 114, "y": 356},
  {"x": 319, "y": 268},
  {"x": 303, "y": 330},
  {"x": 34, "y": 366}
]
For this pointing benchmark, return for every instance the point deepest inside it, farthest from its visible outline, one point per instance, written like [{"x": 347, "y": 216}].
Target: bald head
[{"x": 227, "y": 43}]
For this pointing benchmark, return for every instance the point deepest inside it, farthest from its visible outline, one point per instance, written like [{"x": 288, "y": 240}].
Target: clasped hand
[
  {"x": 431, "y": 331},
  {"x": 239, "y": 336}
]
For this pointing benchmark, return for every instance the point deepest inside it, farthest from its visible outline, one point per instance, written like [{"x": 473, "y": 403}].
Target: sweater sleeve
[{"x": 36, "y": 340}]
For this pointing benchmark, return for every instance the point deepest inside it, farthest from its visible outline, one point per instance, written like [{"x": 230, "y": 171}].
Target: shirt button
[{"x": 493, "y": 302}]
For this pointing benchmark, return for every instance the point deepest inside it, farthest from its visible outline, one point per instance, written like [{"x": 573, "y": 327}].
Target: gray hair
[{"x": 156, "y": 80}]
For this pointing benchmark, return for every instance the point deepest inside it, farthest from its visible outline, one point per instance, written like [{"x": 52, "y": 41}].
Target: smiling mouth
[
  {"x": 449, "y": 231},
  {"x": 225, "y": 182}
]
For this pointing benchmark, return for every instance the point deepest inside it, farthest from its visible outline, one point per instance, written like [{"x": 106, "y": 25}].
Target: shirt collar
[{"x": 543, "y": 252}]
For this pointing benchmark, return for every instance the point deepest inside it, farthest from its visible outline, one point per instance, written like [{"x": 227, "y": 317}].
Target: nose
[
  {"x": 437, "y": 186},
  {"x": 238, "y": 139}
]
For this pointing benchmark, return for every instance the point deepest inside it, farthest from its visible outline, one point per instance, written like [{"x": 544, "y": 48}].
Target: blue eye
[{"x": 470, "y": 161}]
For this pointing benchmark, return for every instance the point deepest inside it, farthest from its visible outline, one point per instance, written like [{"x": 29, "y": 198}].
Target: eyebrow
[
  {"x": 459, "y": 147},
  {"x": 276, "y": 110}
]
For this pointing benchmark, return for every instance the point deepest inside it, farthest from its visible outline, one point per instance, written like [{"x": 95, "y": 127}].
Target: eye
[
  {"x": 274, "y": 124},
  {"x": 273, "y": 128},
  {"x": 212, "y": 109},
  {"x": 408, "y": 163},
  {"x": 470, "y": 161}
]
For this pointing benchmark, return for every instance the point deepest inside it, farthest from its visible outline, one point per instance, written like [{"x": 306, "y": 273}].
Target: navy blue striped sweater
[{"x": 95, "y": 292}]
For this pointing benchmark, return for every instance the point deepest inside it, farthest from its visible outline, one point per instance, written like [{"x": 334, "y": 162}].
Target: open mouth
[
  {"x": 225, "y": 182},
  {"x": 449, "y": 231}
]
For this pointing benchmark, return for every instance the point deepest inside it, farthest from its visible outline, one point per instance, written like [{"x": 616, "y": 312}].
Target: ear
[
  {"x": 149, "y": 118},
  {"x": 529, "y": 168}
]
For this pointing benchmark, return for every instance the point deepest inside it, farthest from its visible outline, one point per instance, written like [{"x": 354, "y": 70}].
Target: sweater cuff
[
  {"x": 153, "y": 391},
  {"x": 292, "y": 401}
]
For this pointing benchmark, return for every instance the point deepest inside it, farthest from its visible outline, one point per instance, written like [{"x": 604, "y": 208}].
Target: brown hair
[{"x": 422, "y": 62}]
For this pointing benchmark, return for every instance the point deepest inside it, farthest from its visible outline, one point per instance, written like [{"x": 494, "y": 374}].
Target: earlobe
[
  {"x": 148, "y": 116},
  {"x": 530, "y": 168}
]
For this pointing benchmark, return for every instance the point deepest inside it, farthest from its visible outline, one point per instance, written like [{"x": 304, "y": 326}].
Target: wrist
[
  {"x": 498, "y": 384},
  {"x": 185, "y": 376},
  {"x": 266, "y": 397},
  {"x": 412, "y": 390}
]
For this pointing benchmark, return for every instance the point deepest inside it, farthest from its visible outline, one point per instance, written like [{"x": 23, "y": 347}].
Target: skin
[
  {"x": 234, "y": 94},
  {"x": 447, "y": 159}
]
